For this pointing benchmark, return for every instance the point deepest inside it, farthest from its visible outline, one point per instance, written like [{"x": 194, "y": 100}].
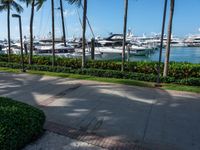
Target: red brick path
[{"x": 104, "y": 142}]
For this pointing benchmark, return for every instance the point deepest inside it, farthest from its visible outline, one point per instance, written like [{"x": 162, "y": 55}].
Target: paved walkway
[{"x": 152, "y": 118}]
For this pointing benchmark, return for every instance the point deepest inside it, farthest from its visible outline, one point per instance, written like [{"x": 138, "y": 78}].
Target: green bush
[
  {"x": 19, "y": 124},
  {"x": 176, "y": 70},
  {"x": 190, "y": 81},
  {"x": 106, "y": 73}
]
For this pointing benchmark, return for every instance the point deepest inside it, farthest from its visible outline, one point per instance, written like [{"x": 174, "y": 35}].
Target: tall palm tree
[
  {"x": 38, "y": 4},
  {"x": 125, "y": 30},
  {"x": 53, "y": 33},
  {"x": 166, "y": 66},
  {"x": 63, "y": 22},
  {"x": 161, "y": 41},
  {"x": 78, "y": 2},
  {"x": 7, "y": 5}
]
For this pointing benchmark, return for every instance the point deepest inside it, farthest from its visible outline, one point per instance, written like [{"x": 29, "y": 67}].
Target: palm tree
[
  {"x": 7, "y": 5},
  {"x": 161, "y": 42},
  {"x": 166, "y": 66},
  {"x": 63, "y": 23},
  {"x": 38, "y": 4},
  {"x": 53, "y": 33},
  {"x": 78, "y": 2},
  {"x": 125, "y": 29}
]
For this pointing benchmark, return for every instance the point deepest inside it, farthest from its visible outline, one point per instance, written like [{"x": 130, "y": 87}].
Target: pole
[
  {"x": 63, "y": 23},
  {"x": 161, "y": 42},
  {"x": 21, "y": 42},
  {"x": 128, "y": 53},
  {"x": 93, "y": 49}
]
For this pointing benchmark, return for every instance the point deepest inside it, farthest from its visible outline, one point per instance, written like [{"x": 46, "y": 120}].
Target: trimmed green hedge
[
  {"x": 19, "y": 124},
  {"x": 176, "y": 70},
  {"x": 106, "y": 73}
]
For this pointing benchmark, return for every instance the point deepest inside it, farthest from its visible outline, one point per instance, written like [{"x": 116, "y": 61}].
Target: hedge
[
  {"x": 19, "y": 124},
  {"x": 105, "y": 73},
  {"x": 176, "y": 69}
]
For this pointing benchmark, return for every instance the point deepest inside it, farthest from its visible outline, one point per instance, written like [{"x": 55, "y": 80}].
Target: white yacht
[
  {"x": 112, "y": 41},
  {"x": 133, "y": 50},
  {"x": 46, "y": 48},
  {"x": 15, "y": 48},
  {"x": 193, "y": 41}
]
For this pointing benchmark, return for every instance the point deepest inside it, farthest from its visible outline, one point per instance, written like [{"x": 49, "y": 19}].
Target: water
[{"x": 179, "y": 54}]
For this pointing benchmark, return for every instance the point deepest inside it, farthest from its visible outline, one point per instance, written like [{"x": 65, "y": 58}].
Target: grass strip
[{"x": 175, "y": 87}]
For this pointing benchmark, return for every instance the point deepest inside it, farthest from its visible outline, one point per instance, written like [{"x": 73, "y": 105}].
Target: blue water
[{"x": 180, "y": 54}]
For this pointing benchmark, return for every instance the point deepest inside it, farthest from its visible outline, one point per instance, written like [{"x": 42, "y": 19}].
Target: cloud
[{"x": 68, "y": 13}]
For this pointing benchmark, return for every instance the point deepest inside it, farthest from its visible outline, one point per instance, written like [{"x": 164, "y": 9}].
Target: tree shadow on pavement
[{"x": 151, "y": 117}]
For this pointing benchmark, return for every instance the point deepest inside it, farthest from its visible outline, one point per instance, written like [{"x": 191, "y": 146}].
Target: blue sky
[{"x": 145, "y": 16}]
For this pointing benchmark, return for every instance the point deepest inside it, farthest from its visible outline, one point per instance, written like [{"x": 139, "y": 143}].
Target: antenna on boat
[{"x": 79, "y": 18}]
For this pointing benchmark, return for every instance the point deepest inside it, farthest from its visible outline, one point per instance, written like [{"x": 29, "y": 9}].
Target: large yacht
[
  {"x": 113, "y": 45},
  {"x": 112, "y": 41},
  {"x": 193, "y": 41},
  {"x": 45, "y": 48},
  {"x": 15, "y": 48}
]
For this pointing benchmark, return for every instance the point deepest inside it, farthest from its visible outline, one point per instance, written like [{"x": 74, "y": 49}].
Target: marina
[
  {"x": 178, "y": 54},
  {"x": 110, "y": 48},
  {"x": 99, "y": 75}
]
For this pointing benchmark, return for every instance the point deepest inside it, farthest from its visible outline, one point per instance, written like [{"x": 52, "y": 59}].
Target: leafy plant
[{"x": 19, "y": 124}]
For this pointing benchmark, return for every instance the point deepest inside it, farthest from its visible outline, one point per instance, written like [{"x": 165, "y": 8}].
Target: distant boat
[
  {"x": 113, "y": 45},
  {"x": 134, "y": 50},
  {"x": 193, "y": 41},
  {"x": 15, "y": 48},
  {"x": 112, "y": 41},
  {"x": 47, "y": 48}
]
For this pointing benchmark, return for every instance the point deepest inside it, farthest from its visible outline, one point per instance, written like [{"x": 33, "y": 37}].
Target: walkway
[{"x": 150, "y": 118}]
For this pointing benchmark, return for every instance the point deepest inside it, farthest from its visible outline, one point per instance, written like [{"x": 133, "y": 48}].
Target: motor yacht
[
  {"x": 193, "y": 41},
  {"x": 45, "y": 48}
]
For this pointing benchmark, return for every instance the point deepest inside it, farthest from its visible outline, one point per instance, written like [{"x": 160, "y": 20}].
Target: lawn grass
[
  {"x": 194, "y": 89},
  {"x": 92, "y": 78}
]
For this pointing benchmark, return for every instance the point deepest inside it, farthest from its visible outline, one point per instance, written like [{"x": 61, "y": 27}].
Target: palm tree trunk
[
  {"x": 63, "y": 23},
  {"x": 31, "y": 32},
  {"x": 84, "y": 31},
  {"x": 125, "y": 29},
  {"x": 166, "y": 66},
  {"x": 161, "y": 41},
  {"x": 53, "y": 34},
  {"x": 9, "y": 41}
]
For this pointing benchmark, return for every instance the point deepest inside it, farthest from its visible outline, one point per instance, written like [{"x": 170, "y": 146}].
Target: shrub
[
  {"x": 176, "y": 70},
  {"x": 106, "y": 74},
  {"x": 190, "y": 81},
  {"x": 19, "y": 124}
]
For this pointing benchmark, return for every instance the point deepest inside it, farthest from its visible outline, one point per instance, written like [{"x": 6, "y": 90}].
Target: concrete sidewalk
[
  {"x": 152, "y": 118},
  {"x": 53, "y": 141}
]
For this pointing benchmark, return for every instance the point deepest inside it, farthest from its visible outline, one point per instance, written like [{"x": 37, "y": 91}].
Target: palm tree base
[{"x": 158, "y": 85}]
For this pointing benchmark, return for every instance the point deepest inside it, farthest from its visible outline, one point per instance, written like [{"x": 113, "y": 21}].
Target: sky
[{"x": 106, "y": 16}]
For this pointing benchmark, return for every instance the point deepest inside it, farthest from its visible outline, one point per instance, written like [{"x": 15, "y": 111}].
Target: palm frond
[
  {"x": 77, "y": 2},
  {"x": 17, "y": 7},
  {"x": 3, "y": 7},
  {"x": 28, "y": 2},
  {"x": 39, "y": 4}
]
